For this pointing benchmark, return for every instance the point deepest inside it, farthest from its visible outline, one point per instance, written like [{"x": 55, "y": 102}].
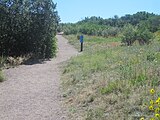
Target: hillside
[{"x": 117, "y": 75}]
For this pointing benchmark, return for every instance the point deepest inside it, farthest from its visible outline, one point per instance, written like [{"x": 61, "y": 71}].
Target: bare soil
[{"x": 32, "y": 92}]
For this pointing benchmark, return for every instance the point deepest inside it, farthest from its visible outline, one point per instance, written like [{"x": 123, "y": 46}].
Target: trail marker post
[{"x": 81, "y": 41}]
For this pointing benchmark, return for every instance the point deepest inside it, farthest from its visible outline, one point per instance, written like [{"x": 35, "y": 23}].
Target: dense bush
[
  {"x": 28, "y": 26},
  {"x": 139, "y": 33},
  {"x": 144, "y": 37},
  {"x": 129, "y": 35},
  {"x": 69, "y": 28}
]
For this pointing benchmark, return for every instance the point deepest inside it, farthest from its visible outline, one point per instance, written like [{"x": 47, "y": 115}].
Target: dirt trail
[{"x": 32, "y": 92}]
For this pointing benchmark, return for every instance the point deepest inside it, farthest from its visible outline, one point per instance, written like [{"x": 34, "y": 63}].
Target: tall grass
[
  {"x": 111, "y": 82},
  {"x": 2, "y": 62},
  {"x": 1, "y": 76}
]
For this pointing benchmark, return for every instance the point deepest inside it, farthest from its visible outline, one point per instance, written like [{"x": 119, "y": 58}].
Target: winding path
[{"x": 32, "y": 92}]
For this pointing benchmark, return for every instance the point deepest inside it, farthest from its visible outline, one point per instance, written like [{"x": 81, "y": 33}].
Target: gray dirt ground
[{"x": 32, "y": 92}]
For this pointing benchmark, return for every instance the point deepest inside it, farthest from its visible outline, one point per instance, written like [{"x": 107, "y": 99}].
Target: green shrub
[
  {"x": 144, "y": 36},
  {"x": 129, "y": 35}
]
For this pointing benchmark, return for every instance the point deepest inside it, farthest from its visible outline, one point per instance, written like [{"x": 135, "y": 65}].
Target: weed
[{"x": 112, "y": 86}]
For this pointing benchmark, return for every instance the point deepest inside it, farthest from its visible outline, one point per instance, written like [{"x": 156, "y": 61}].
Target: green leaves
[
  {"x": 28, "y": 27},
  {"x": 129, "y": 35}
]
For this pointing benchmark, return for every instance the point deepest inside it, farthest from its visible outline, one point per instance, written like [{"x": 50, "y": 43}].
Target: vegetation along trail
[{"x": 32, "y": 92}]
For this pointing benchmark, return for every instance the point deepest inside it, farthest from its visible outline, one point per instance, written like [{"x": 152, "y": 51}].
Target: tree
[
  {"x": 28, "y": 26},
  {"x": 154, "y": 23},
  {"x": 129, "y": 35},
  {"x": 143, "y": 35},
  {"x": 112, "y": 26},
  {"x": 140, "y": 33}
]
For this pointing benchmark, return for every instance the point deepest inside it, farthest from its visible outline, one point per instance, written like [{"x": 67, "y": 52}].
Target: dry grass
[{"x": 7, "y": 62}]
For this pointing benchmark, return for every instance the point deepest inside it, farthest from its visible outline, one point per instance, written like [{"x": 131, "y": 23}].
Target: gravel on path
[{"x": 32, "y": 92}]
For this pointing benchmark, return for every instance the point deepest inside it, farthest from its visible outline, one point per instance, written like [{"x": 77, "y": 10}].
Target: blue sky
[{"x": 75, "y": 10}]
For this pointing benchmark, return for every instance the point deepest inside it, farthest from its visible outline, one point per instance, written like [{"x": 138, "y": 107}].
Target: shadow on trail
[{"x": 33, "y": 61}]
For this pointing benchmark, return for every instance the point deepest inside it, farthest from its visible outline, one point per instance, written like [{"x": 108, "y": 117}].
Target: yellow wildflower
[
  {"x": 157, "y": 115},
  {"x": 142, "y": 118},
  {"x": 157, "y": 101},
  {"x": 151, "y": 102},
  {"x": 151, "y": 107},
  {"x": 152, "y": 91}
]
